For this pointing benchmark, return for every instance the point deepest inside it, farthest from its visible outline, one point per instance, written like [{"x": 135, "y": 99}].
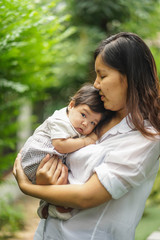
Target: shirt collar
[{"x": 123, "y": 127}]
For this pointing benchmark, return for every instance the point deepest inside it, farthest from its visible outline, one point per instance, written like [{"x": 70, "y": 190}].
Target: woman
[{"x": 119, "y": 171}]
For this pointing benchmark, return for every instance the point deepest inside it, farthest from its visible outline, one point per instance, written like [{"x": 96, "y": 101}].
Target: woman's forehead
[{"x": 100, "y": 66}]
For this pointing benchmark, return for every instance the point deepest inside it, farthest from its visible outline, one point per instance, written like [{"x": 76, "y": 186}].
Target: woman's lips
[{"x": 102, "y": 96}]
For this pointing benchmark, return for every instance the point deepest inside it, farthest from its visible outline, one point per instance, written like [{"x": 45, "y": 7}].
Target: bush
[
  {"x": 32, "y": 34},
  {"x": 11, "y": 218}
]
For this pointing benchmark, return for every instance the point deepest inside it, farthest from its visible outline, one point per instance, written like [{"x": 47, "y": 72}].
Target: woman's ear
[{"x": 71, "y": 104}]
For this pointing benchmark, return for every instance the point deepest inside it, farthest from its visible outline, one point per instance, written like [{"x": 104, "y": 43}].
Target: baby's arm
[{"x": 72, "y": 144}]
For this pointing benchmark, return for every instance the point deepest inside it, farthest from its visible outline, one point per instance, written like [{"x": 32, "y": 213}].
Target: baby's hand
[{"x": 90, "y": 139}]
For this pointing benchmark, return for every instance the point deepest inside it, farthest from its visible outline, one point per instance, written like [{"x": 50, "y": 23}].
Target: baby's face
[{"x": 83, "y": 119}]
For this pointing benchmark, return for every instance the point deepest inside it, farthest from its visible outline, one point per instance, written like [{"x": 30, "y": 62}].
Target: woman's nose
[{"x": 96, "y": 83}]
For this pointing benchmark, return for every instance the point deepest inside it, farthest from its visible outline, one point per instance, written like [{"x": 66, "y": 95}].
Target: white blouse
[{"x": 126, "y": 163}]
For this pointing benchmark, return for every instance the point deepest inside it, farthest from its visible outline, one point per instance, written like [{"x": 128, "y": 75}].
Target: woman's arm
[{"x": 87, "y": 195}]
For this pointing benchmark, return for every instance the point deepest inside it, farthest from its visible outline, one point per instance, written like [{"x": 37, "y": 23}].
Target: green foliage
[
  {"x": 149, "y": 223},
  {"x": 156, "y": 53},
  {"x": 97, "y": 19},
  {"x": 31, "y": 37},
  {"x": 11, "y": 218},
  {"x": 119, "y": 15},
  {"x": 154, "y": 197},
  {"x": 98, "y": 12},
  {"x": 143, "y": 18}
]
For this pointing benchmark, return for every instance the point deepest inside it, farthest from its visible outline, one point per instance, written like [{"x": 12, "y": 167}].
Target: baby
[{"x": 67, "y": 130}]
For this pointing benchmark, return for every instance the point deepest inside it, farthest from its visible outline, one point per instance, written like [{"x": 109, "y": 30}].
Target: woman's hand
[
  {"x": 51, "y": 171},
  {"x": 19, "y": 173}
]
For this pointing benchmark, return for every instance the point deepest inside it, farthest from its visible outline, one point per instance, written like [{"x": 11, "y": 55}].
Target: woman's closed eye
[{"x": 102, "y": 77}]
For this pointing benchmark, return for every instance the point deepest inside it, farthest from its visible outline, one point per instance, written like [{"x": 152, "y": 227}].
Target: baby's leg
[
  {"x": 42, "y": 210},
  {"x": 45, "y": 209},
  {"x": 59, "y": 212}
]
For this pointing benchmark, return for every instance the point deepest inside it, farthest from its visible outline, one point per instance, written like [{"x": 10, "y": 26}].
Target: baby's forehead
[{"x": 96, "y": 117}]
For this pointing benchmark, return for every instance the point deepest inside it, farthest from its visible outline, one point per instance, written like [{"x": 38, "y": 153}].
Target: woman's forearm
[
  {"x": 61, "y": 195},
  {"x": 83, "y": 196},
  {"x": 90, "y": 194}
]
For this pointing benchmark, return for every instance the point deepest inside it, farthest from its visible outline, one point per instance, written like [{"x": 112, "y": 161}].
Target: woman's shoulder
[{"x": 126, "y": 132}]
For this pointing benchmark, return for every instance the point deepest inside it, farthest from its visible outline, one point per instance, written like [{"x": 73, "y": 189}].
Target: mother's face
[{"x": 112, "y": 86}]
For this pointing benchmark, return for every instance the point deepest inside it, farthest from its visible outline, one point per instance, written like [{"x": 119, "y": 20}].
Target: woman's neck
[{"x": 113, "y": 122}]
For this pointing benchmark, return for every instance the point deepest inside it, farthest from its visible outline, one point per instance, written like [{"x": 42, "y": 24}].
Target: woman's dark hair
[
  {"x": 128, "y": 53},
  {"x": 89, "y": 95}
]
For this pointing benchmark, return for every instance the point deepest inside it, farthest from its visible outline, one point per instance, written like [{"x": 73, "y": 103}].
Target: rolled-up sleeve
[{"x": 129, "y": 164}]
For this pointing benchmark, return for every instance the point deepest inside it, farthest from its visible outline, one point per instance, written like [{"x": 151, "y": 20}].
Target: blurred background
[{"x": 46, "y": 54}]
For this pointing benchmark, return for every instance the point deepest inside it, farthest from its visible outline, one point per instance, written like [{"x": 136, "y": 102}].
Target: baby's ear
[{"x": 71, "y": 104}]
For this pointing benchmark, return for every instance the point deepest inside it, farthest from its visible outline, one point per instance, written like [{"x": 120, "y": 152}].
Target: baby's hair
[{"x": 89, "y": 95}]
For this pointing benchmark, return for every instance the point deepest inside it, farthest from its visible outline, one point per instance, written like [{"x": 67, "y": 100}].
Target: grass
[{"x": 149, "y": 223}]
